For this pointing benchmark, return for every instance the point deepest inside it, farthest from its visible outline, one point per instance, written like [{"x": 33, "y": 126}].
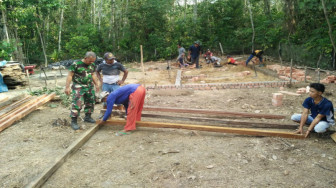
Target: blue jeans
[
  {"x": 110, "y": 87},
  {"x": 251, "y": 56},
  {"x": 321, "y": 127}
]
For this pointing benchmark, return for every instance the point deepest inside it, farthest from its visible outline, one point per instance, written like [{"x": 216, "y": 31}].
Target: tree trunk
[
  {"x": 60, "y": 29},
  {"x": 195, "y": 11},
  {"x": 329, "y": 26},
  {"x": 185, "y": 10},
  {"x": 4, "y": 20},
  {"x": 99, "y": 13},
  {"x": 43, "y": 47},
  {"x": 267, "y": 8},
  {"x": 252, "y": 25}
]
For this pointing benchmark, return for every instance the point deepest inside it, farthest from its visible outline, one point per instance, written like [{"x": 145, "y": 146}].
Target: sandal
[{"x": 122, "y": 133}]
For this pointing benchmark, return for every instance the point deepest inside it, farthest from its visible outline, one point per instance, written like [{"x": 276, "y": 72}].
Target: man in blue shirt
[
  {"x": 194, "y": 53},
  {"x": 321, "y": 109},
  {"x": 132, "y": 96}
]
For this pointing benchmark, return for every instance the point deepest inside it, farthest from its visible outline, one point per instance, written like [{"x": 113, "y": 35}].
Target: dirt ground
[{"x": 152, "y": 157}]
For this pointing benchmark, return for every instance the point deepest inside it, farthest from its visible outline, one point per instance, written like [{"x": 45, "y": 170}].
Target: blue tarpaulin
[{"x": 3, "y": 86}]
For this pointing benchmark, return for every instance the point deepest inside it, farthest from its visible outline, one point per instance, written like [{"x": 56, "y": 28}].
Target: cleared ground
[{"x": 166, "y": 157}]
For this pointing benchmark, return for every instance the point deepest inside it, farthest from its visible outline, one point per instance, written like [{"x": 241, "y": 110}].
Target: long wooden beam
[
  {"x": 44, "y": 176},
  {"x": 210, "y": 112},
  {"x": 242, "y": 131},
  {"x": 20, "y": 113},
  {"x": 228, "y": 123},
  {"x": 14, "y": 105},
  {"x": 213, "y": 112},
  {"x": 11, "y": 100}
]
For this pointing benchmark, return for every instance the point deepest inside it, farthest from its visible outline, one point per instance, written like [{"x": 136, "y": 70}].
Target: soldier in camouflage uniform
[{"x": 82, "y": 74}]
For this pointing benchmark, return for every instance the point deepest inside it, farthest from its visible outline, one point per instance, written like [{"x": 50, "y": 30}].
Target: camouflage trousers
[{"x": 82, "y": 96}]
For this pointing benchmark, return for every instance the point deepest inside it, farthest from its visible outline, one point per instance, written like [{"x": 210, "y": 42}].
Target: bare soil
[{"x": 152, "y": 157}]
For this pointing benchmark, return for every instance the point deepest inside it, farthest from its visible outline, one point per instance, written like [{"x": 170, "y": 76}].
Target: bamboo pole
[{"x": 27, "y": 73}]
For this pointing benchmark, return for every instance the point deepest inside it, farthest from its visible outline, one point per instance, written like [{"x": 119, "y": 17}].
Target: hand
[
  {"x": 307, "y": 133},
  {"x": 120, "y": 82},
  {"x": 67, "y": 91},
  {"x": 299, "y": 131}
]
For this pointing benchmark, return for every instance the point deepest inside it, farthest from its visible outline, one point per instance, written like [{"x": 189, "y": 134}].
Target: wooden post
[
  {"x": 220, "y": 45},
  {"x": 318, "y": 75},
  {"x": 280, "y": 55},
  {"x": 168, "y": 68},
  {"x": 27, "y": 73},
  {"x": 305, "y": 80},
  {"x": 142, "y": 66},
  {"x": 291, "y": 72},
  {"x": 55, "y": 79}
]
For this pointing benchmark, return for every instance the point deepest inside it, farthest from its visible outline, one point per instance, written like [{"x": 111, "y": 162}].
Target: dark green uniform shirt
[{"x": 82, "y": 73}]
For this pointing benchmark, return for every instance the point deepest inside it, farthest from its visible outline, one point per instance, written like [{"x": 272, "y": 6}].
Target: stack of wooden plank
[
  {"x": 19, "y": 109},
  {"x": 13, "y": 75},
  {"x": 218, "y": 124}
]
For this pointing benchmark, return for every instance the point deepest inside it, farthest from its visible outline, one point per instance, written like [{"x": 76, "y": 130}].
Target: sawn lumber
[
  {"x": 210, "y": 112},
  {"x": 221, "y": 122},
  {"x": 242, "y": 131},
  {"x": 213, "y": 112},
  {"x": 20, "y": 113},
  {"x": 14, "y": 105},
  {"x": 44, "y": 176}
]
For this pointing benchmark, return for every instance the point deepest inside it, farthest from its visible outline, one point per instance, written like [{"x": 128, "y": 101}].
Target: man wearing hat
[
  {"x": 111, "y": 70},
  {"x": 194, "y": 53}
]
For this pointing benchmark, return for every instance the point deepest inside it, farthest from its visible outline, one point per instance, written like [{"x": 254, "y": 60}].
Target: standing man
[
  {"x": 132, "y": 96},
  {"x": 321, "y": 109},
  {"x": 194, "y": 53},
  {"x": 82, "y": 75},
  {"x": 111, "y": 70}
]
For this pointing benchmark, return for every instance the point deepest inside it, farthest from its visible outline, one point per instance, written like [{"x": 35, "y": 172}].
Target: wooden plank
[
  {"x": 44, "y": 176},
  {"x": 3, "y": 99},
  {"x": 228, "y": 123},
  {"x": 242, "y": 131},
  {"x": 22, "y": 107},
  {"x": 20, "y": 114},
  {"x": 14, "y": 105},
  {"x": 289, "y": 93},
  {"x": 333, "y": 136},
  {"x": 11, "y": 100},
  {"x": 212, "y": 112},
  {"x": 178, "y": 78}
]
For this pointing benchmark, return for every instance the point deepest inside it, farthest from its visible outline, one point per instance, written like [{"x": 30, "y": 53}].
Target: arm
[
  {"x": 95, "y": 81},
  {"x": 314, "y": 123},
  {"x": 99, "y": 77},
  {"x": 68, "y": 81},
  {"x": 110, "y": 103},
  {"x": 303, "y": 120},
  {"x": 123, "y": 78}
]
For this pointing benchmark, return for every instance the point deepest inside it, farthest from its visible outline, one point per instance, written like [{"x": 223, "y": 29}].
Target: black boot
[
  {"x": 74, "y": 124},
  {"x": 88, "y": 118}
]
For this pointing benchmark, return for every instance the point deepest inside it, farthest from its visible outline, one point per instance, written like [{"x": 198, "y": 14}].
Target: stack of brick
[
  {"x": 277, "y": 99},
  {"x": 329, "y": 79},
  {"x": 244, "y": 73},
  {"x": 301, "y": 90},
  {"x": 284, "y": 73}
]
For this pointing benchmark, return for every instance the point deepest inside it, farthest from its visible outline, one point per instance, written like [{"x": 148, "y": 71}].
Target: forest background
[{"x": 45, "y": 31}]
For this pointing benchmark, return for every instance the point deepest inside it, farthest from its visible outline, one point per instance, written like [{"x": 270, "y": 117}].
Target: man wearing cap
[
  {"x": 194, "y": 53},
  {"x": 82, "y": 75},
  {"x": 111, "y": 70}
]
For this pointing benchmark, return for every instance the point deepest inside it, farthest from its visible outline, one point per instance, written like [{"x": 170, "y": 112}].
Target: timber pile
[
  {"x": 13, "y": 75},
  {"x": 21, "y": 108}
]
